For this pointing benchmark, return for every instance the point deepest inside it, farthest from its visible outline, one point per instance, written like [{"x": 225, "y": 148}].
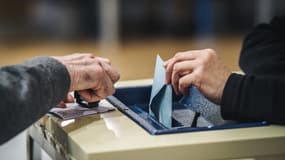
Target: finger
[
  {"x": 89, "y": 95},
  {"x": 107, "y": 88},
  {"x": 81, "y": 59},
  {"x": 181, "y": 69},
  {"x": 167, "y": 72},
  {"x": 174, "y": 81},
  {"x": 82, "y": 55},
  {"x": 69, "y": 99},
  {"x": 183, "y": 56},
  {"x": 184, "y": 83},
  {"x": 105, "y": 92},
  {"x": 105, "y": 60},
  {"x": 165, "y": 63},
  {"x": 78, "y": 56},
  {"x": 112, "y": 73}
]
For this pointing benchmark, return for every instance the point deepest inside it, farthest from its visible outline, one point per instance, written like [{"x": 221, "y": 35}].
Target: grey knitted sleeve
[{"x": 27, "y": 91}]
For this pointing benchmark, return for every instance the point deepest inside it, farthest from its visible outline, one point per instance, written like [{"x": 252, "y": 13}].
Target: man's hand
[
  {"x": 93, "y": 77},
  {"x": 201, "y": 68}
]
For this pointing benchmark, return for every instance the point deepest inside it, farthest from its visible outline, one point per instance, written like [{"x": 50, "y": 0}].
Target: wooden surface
[{"x": 133, "y": 59}]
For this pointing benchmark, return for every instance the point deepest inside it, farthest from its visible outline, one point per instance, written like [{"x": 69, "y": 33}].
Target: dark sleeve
[
  {"x": 263, "y": 50},
  {"x": 259, "y": 94},
  {"x": 28, "y": 91},
  {"x": 254, "y": 98}
]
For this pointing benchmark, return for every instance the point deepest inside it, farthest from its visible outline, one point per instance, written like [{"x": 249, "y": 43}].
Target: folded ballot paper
[{"x": 160, "y": 105}]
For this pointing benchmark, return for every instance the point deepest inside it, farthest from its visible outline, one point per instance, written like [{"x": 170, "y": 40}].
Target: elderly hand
[
  {"x": 93, "y": 77},
  {"x": 201, "y": 68}
]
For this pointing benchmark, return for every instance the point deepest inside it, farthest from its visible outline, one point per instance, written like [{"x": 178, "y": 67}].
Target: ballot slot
[{"x": 134, "y": 102}]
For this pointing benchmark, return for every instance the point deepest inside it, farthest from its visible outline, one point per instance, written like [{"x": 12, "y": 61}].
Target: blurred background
[{"x": 129, "y": 32}]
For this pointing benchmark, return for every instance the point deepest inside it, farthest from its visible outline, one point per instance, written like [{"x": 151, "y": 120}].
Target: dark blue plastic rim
[{"x": 162, "y": 130}]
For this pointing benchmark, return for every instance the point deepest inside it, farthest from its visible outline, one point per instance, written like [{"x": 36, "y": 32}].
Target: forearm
[
  {"x": 28, "y": 91},
  {"x": 263, "y": 51},
  {"x": 254, "y": 98}
]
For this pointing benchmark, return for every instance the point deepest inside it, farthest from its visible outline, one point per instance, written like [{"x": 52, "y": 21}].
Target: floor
[{"x": 134, "y": 60}]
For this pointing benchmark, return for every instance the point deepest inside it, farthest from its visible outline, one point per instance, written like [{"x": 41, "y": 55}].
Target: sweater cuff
[
  {"x": 57, "y": 80},
  {"x": 61, "y": 79},
  {"x": 229, "y": 101}
]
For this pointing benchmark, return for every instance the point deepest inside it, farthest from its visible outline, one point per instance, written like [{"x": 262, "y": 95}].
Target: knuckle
[
  {"x": 87, "y": 55},
  {"x": 174, "y": 59},
  {"x": 87, "y": 60},
  {"x": 90, "y": 55},
  {"x": 108, "y": 60},
  {"x": 178, "y": 54},
  {"x": 206, "y": 58},
  {"x": 118, "y": 76},
  {"x": 176, "y": 67},
  {"x": 197, "y": 78},
  {"x": 100, "y": 72},
  {"x": 210, "y": 53},
  {"x": 182, "y": 84},
  {"x": 108, "y": 69}
]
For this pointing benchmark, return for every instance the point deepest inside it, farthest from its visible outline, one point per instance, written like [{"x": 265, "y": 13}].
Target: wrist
[
  {"x": 222, "y": 87},
  {"x": 69, "y": 68}
]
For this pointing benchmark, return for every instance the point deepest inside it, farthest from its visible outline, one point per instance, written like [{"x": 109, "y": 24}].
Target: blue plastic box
[{"x": 133, "y": 102}]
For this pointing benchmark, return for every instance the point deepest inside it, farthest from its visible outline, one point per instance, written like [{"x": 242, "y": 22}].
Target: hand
[
  {"x": 93, "y": 77},
  {"x": 201, "y": 68}
]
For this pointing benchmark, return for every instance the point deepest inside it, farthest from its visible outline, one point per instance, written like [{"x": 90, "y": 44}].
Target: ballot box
[
  {"x": 128, "y": 133},
  {"x": 133, "y": 101}
]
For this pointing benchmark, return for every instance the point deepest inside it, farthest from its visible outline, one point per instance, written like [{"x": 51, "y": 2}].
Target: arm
[
  {"x": 28, "y": 91},
  {"x": 242, "y": 97},
  {"x": 263, "y": 51},
  {"x": 259, "y": 94},
  {"x": 254, "y": 98}
]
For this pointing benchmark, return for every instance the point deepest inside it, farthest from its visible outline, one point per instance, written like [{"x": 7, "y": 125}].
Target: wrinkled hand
[
  {"x": 93, "y": 77},
  {"x": 201, "y": 68}
]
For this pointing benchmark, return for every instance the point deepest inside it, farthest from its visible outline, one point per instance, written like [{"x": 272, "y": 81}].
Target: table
[{"x": 113, "y": 136}]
